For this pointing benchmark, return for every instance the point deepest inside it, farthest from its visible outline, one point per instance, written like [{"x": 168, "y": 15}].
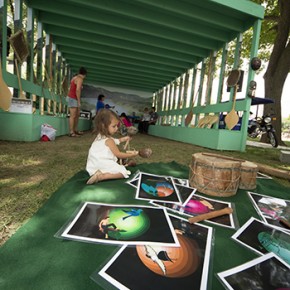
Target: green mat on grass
[{"x": 35, "y": 259}]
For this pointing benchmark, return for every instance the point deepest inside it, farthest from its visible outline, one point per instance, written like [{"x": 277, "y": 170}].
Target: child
[
  {"x": 125, "y": 120},
  {"x": 101, "y": 105},
  {"x": 104, "y": 153},
  {"x": 125, "y": 123}
]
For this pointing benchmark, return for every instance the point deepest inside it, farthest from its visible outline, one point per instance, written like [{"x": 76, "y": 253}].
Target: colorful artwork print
[
  {"x": 271, "y": 209},
  {"x": 179, "y": 181},
  {"x": 163, "y": 267},
  {"x": 268, "y": 272},
  {"x": 133, "y": 181},
  {"x": 157, "y": 187},
  {"x": 181, "y": 184},
  {"x": 185, "y": 193},
  {"x": 121, "y": 224},
  {"x": 263, "y": 238},
  {"x": 200, "y": 205}
]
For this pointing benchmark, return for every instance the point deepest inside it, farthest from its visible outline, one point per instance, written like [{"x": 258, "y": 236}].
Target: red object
[
  {"x": 73, "y": 90},
  {"x": 44, "y": 138}
]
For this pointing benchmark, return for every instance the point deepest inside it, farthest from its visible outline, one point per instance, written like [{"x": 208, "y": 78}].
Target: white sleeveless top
[{"x": 101, "y": 158}]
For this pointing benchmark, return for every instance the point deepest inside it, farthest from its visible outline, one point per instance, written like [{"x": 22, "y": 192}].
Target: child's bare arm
[{"x": 121, "y": 155}]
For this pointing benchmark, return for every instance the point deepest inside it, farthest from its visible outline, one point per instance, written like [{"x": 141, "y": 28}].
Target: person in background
[
  {"x": 104, "y": 153},
  {"x": 153, "y": 117},
  {"x": 101, "y": 105},
  {"x": 143, "y": 124},
  {"x": 74, "y": 101},
  {"x": 125, "y": 120},
  {"x": 125, "y": 124}
]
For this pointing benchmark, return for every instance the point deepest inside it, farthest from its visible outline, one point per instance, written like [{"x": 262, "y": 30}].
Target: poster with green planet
[{"x": 120, "y": 224}]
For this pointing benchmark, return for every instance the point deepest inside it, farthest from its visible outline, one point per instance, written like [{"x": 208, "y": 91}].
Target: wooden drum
[
  {"x": 249, "y": 172},
  {"x": 214, "y": 174}
]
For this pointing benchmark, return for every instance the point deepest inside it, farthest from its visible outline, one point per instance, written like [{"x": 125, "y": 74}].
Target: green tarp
[{"x": 35, "y": 259}]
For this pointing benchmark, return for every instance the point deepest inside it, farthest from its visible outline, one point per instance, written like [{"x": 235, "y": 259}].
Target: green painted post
[
  {"x": 185, "y": 90},
  {"x": 30, "y": 42},
  {"x": 211, "y": 71},
  {"x": 39, "y": 46},
  {"x": 185, "y": 96},
  {"x": 181, "y": 88},
  {"x": 159, "y": 102},
  {"x": 52, "y": 79},
  {"x": 164, "y": 98},
  {"x": 193, "y": 86},
  {"x": 222, "y": 73},
  {"x": 251, "y": 74},
  {"x": 237, "y": 60},
  {"x": 201, "y": 81},
  {"x": 47, "y": 70},
  {"x": 174, "y": 94},
  {"x": 17, "y": 27},
  {"x": 169, "y": 100},
  {"x": 3, "y": 17},
  {"x": 171, "y": 96}
]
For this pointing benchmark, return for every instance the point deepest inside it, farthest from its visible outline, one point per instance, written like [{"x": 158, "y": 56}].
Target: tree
[{"x": 275, "y": 41}]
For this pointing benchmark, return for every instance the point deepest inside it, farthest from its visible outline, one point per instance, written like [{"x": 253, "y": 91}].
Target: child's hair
[
  {"x": 101, "y": 97},
  {"x": 103, "y": 120},
  {"x": 82, "y": 71},
  {"x": 125, "y": 116}
]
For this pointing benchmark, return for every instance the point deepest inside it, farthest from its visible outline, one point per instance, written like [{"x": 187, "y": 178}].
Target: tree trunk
[{"x": 278, "y": 68}]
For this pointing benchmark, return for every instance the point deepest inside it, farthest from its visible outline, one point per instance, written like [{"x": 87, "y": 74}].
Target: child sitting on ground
[
  {"x": 125, "y": 124},
  {"x": 125, "y": 120},
  {"x": 104, "y": 153}
]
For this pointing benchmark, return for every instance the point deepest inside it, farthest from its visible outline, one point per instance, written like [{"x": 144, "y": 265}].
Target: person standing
[
  {"x": 101, "y": 105},
  {"x": 74, "y": 101}
]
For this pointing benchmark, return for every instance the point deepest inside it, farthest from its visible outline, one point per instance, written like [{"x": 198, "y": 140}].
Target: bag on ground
[{"x": 48, "y": 133}]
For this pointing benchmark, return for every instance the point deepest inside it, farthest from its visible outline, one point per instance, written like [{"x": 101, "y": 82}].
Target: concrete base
[
  {"x": 27, "y": 127},
  {"x": 218, "y": 139},
  {"x": 285, "y": 156}
]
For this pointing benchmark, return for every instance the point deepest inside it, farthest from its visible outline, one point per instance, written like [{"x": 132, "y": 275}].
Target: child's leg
[
  {"x": 99, "y": 176},
  {"x": 106, "y": 176}
]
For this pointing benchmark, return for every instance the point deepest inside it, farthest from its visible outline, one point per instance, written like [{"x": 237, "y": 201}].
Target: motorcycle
[{"x": 263, "y": 125}]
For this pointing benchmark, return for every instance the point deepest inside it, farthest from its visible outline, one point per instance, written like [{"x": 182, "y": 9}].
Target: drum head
[{"x": 233, "y": 78}]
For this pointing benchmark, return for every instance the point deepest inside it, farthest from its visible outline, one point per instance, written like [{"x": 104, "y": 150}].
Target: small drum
[
  {"x": 249, "y": 172},
  {"x": 214, "y": 174}
]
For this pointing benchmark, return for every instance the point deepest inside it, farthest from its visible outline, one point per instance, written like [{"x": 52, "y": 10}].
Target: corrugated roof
[{"x": 141, "y": 44}]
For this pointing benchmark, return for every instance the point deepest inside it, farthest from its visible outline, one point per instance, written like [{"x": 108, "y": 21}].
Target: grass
[{"x": 31, "y": 172}]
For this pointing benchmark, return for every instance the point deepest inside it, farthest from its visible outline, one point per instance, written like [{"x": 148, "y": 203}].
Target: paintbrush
[{"x": 285, "y": 223}]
